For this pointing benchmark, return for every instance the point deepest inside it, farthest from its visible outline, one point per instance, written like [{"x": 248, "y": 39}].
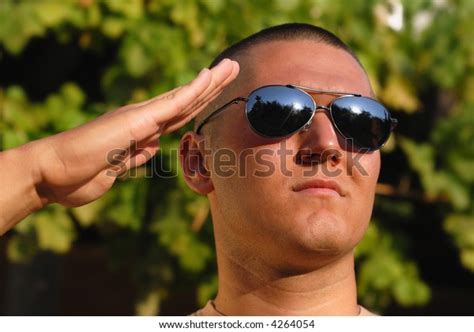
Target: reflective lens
[
  {"x": 278, "y": 111},
  {"x": 362, "y": 119}
]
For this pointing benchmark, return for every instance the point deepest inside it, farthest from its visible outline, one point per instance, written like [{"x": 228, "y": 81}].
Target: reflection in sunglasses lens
[
  {"x": 278, "y": 111},
  {"x": 362, "y": 119}
]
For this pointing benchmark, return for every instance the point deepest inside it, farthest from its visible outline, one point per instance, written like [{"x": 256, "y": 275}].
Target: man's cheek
[
  {"x": 364, "y": 166},
  {"x": 264, "y": 165}
]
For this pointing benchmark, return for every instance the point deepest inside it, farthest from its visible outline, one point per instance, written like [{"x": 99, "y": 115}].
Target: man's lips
[{"x": 319, "y": 187}]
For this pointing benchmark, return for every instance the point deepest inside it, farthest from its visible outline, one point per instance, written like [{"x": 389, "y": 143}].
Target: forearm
[{"x": 18, "y": 195}]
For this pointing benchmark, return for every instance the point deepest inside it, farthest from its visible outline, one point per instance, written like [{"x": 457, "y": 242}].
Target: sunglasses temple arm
[{"x": 219, "y": 110}]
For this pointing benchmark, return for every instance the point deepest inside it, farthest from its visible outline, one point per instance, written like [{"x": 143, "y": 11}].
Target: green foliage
[
  {"x": 445, "y": 166},
  {"x": 50, "y": 229},
  {"x": 461, "y": 228},
  {"x": 422, "y": 71},
  {"x": 24, "y": 121},
  {"x": 386, "y": 272}
]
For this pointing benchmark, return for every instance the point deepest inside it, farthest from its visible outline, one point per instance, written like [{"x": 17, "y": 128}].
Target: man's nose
[
  {"x": 319, "y": 141},
  {"x": 320, "y": 134}
]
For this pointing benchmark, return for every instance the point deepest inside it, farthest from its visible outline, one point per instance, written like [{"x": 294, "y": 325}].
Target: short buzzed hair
[{"x": 288, "y": 31}]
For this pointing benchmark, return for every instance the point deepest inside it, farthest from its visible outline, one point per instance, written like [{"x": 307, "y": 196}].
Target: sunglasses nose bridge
[
  {"x": 322, "y": 107},
  {"x": 316, "y": 109}
]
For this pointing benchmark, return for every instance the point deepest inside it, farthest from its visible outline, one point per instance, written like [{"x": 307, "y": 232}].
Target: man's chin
[{"x": 322, "y": 235}]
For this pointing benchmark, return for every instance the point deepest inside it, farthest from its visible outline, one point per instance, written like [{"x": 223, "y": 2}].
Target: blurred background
[{"x": 146, "y": 247}]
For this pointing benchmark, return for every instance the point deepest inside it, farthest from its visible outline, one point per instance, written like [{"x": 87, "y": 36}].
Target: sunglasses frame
[{"x": 316, "y": 107}]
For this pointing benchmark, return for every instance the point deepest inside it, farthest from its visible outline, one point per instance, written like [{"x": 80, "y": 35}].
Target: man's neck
[{"x": 328, "y": 290}]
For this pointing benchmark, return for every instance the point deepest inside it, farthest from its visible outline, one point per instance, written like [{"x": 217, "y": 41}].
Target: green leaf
[
  {"x": 55, "y": 230},
  {"x": 130, "y": 8},
  {"x": 207, "y": 290},
  {"x": 20, "y": 249},
  {"x": 410, "y": 292},
  {"x": 113, "y": 27},
  {"x": 90, "y": 213},
  {"x": 467, "y": 258}
]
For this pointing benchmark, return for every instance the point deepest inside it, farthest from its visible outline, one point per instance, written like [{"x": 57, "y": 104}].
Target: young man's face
[{"x": 263, "y": 217}]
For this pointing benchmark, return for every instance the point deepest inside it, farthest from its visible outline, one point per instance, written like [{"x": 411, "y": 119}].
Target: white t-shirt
[{"x": 210, "y": 310}]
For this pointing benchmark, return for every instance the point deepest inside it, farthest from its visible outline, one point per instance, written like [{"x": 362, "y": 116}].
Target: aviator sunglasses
[{"x": 278, "y": 111}]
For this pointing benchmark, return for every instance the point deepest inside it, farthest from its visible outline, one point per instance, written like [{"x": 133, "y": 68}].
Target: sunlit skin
[{"x": 282, "y": 252}]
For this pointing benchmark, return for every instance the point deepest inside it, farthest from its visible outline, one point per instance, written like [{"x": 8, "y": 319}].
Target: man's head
[{"x": 259, "y": 211}]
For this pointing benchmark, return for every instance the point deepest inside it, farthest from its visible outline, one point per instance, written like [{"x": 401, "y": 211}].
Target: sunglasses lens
[
  {"x": 362, "y": 119},
  {"x": 278, "y": 111}
]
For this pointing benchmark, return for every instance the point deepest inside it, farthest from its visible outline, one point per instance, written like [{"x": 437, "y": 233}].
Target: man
[
  {"x": 285, "y": 241},
  {"x": 284, "y": 234}
]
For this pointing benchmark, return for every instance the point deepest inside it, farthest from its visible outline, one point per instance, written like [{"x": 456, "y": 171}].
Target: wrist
[
  {"x": 25, "y": 159},
  {"x": 18, "y": 197}
]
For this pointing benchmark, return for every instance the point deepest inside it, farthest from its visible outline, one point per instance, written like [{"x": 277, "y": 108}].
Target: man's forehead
[{"x": 303, "y": 62}]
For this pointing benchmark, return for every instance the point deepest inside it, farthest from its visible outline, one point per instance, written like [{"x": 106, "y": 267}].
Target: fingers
[
  {"x": 194, "y": 109},
  {"x": 141, "y": 156},
  {"x": 169, "y": 95},
  {"x": 135, "y": 106},
  {"x": 183, "y": 100},
  {"x": 190, "y": 115},
  {"x": 219, "y": 80},
  {"x": 136, "y": 155},
  {"x": 214, "y": 89}
]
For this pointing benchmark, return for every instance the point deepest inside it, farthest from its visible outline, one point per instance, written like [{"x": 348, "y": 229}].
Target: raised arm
[{"x": 72, "y": 168}]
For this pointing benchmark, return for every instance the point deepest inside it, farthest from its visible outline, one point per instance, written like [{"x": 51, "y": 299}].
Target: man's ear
[{"x": 193, "y": 162}]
